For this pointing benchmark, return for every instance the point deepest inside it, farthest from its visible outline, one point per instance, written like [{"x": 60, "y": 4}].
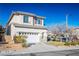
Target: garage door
[{"x": 33, "y": 39}]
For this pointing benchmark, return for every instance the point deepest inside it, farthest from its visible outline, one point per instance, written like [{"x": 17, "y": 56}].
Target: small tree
[
  {"x": 57, "y": 30},
  {"x": 2, "y": 31}
]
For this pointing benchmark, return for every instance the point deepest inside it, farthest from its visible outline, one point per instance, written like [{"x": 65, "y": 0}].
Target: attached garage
[
  {"x": 33, "y": 39},
  {"x": 33, "y": 35}
]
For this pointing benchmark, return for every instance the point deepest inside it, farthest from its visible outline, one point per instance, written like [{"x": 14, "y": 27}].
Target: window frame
[
  {"x": 37, "y": 20},
  {"x": 24, "y": 19}
]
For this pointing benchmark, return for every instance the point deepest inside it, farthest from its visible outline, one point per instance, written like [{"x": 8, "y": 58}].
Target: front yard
[{"x": 57, "y": 43}]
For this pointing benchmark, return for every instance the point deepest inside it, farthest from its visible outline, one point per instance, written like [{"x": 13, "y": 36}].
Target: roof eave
[{"x": 22, "y": 13}]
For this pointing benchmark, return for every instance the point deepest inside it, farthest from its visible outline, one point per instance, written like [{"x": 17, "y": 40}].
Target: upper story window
[
  {"x": 25, "y": 20},
  {"x": 37, "y": 20}
]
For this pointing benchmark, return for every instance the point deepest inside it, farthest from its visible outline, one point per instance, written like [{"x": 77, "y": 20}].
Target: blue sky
[{"x": 54, "y": 13}]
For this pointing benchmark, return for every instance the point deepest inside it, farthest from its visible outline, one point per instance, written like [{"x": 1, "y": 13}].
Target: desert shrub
[
  {"x": 53, "y": 40},
  {"x": 78, "y": 43},
  {"x": 56, "y": 40},
  {"x": 56, "y": 43},
  {"x": 70, "y": 43},
  {"x": 18, "y": 39},
  {"x": 67, "y": 43},
  {"x": 24, "y": 44},
  {"x": 73, "y": 43}
]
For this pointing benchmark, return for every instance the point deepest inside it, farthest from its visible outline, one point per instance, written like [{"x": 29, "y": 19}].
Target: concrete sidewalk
[{"x": 41, "y": 47}]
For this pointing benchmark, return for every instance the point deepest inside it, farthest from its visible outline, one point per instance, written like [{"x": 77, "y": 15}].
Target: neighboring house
[
  {"x": 27, "y": 24},
  {"x": 76, "y": 32}
]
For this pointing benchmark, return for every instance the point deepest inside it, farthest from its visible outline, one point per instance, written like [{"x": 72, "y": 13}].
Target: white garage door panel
[{"x": 33, "y": 39}]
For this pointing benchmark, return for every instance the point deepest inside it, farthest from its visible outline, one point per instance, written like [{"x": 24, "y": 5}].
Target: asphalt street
[{"x": 74, "y": 52}]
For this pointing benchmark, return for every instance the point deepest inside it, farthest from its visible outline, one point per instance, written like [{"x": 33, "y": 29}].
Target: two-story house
[{"x": 28, "y": 24}]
